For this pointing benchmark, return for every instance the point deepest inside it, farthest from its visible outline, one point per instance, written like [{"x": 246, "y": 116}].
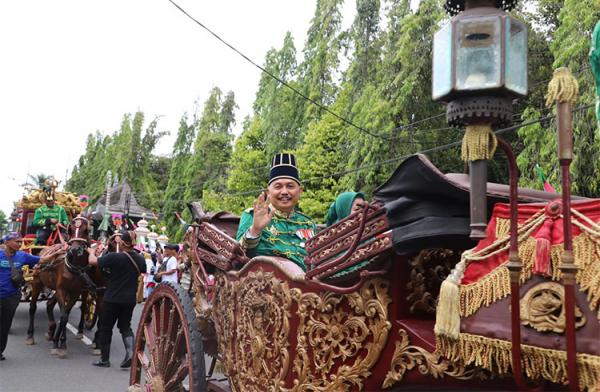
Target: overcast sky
[{"x": 71, "y": 67}]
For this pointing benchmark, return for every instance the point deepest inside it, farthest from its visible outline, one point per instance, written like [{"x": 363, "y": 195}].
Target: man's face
[
  {"x": 284, "y": 194},
  {"x": 49, "y": 203},
  {"x": 14, "y": 245}
]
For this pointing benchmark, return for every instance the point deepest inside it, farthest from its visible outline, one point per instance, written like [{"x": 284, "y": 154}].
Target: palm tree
[{"x": 38, "y": 180}]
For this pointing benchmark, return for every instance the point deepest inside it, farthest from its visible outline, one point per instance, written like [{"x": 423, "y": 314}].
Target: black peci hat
[{"x": 284, "y": 166}]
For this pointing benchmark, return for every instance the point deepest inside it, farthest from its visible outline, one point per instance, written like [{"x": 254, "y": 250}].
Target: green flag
[{"x": 595, "y": 63}]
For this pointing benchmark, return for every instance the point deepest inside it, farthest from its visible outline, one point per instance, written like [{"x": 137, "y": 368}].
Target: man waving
[{"x": 274, "y": 226}]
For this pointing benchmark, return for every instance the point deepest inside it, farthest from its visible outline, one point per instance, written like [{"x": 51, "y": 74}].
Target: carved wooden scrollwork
[
  {"x": 542, "y": 308},
  {"x": 427, "y": 271},
  {"x": 340, "y": 337},
  {"x": 262, "y": 349},
  {"x": 407, "y": 357}
]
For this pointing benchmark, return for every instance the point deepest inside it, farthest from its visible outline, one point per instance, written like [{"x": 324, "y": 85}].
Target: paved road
[{"x": 32, "y": 368}]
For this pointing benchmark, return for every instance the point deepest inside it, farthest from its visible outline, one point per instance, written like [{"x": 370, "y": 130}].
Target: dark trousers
[
  {"x": 44, "y": 233},
  {"x": 8, "y": 307},
  {"x": 110, "y": 314}
]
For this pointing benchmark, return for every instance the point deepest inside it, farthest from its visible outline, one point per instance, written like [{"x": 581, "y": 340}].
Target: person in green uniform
[
  {"x": 274, "y": 226},
  {"x": 47, "y": 217}
]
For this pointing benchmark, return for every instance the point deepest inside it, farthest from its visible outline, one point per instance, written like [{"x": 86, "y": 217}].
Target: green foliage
[
  {"x": 569, "y": 32},
  {"x": 374, "y": 75},
  {"x": 38, "y": 179},
  {"x": 3, "y": 222},
  {"x": 127, "y": 154}
]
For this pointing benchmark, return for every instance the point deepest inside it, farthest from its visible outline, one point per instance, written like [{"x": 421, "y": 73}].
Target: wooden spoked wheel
[{"x": 168, "y": 353}]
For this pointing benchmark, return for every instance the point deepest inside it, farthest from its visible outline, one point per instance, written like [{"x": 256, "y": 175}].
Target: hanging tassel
[
  {"x": 543, "y": 245},
  {"x": 478, "y": 143},
  {"x": 447, "y": 317},
  {"x": 562, "y": 88}
]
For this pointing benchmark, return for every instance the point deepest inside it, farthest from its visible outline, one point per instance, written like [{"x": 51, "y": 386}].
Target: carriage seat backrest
[{"x": 325, "y": 249}]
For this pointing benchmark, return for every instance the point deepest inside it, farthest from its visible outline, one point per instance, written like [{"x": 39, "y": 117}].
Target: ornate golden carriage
[{"x": 362, "y": 318}]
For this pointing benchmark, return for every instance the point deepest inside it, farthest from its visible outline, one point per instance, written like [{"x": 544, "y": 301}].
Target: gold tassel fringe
[
  {"x": 538, "y": 363},
  {"x": 447, "y": 317},
  {"x": 496, "y": 285},
  {"x": 562, "y": 88},
  {"x": 478, "y": 143}
]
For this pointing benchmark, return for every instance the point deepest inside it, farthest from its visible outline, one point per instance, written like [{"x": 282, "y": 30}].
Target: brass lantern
[{"x": 479, "y": 67}]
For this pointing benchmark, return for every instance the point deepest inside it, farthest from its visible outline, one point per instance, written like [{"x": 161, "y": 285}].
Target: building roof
[{"x": 121, "y": 197}]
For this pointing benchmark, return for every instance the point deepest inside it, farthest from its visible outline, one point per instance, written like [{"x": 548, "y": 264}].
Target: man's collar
[{"x": 281, "y": 214}]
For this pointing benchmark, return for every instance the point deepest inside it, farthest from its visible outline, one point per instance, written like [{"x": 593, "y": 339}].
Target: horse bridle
[{"x": 78, "y": 222}]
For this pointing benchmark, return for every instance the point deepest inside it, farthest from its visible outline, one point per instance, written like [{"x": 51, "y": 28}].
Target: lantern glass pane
[
  {"x": 478, "y": 55},
  {"x": 516, "y": 56},
  {"x": 442, "y": 62}
]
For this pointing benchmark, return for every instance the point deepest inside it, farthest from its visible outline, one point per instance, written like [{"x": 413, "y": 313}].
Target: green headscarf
[{"x": 342, "y": 206}]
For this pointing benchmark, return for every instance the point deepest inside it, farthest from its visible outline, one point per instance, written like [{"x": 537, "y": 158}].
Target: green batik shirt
[
  {"x": 56, "y": 212},
  {"x": 283, "y": 237}
]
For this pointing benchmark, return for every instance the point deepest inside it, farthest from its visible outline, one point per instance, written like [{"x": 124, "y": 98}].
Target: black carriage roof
[{"x": 430, "y": 209}]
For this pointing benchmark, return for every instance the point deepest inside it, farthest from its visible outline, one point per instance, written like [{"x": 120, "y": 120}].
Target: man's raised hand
[{"x": 262, "y": 215}]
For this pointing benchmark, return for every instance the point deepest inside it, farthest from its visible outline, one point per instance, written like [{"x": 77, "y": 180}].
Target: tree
[
  {"x": 318, "y": 71},
  {"x": 172, "y": 200},
  {"x": 208, "y": 165},
  {"x": 3, "y": 223},
  {"x": 573, "y": 22},
  {"x": 38, "y": 180}
]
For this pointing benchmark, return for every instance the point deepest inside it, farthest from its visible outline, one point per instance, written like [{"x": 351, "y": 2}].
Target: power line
[
  {"x": 402, "y": 157},
  {"x": 292, "y": 88}
]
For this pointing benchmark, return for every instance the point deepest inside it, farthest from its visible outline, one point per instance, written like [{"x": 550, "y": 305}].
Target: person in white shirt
[
  {"x": 151, "y": 267},
  {"x": 170, "y": 260}
]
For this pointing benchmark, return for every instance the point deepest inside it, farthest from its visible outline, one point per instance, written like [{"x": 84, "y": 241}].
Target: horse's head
[
  {"x": 79, "y": 230},
  {"x": 117, "y": 241}
]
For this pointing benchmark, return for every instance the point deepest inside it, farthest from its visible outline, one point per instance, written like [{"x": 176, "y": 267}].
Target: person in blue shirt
[{"x": 10, "y": 295}]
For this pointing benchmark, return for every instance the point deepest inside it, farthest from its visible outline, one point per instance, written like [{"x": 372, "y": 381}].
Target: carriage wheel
[
  {"x": 168, "y": 354},
  {"x": 91, "y": 312}
]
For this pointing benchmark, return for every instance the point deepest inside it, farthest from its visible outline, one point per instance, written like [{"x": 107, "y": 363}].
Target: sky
[{"x": 72, "y": 67}]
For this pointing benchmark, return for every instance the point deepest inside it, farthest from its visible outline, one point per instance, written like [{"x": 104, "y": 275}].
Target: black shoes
[
  {"x": 2, "y": 357},
  {"x": 128, "y": 343},
  {"x": 102, "y": 363}
]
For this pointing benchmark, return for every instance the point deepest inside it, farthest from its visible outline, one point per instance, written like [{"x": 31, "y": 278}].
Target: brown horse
[{"x": 64, "y": 274}]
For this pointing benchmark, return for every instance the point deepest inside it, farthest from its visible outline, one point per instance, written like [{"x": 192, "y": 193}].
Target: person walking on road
[
  {"x": 120, "y": 296},
  {"x": 169, "y": 272},
  {"x": 10, "y": 295}
]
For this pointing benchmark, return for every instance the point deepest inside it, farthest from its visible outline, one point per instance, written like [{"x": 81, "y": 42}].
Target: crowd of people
[{"x": 274, "y": 226}]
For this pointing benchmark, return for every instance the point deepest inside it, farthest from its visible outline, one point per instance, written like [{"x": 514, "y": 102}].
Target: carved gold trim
[
  {"x": 339, "y": 337},
  {"x": 542, "y": 308},
  {"x": 262, "y": 328},
  {"x": 407, "y": 357}
]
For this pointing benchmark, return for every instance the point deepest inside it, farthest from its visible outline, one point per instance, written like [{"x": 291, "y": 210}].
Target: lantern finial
[
  {"x": 453, "y": 7},
  {"x": 562, "y": 88}
]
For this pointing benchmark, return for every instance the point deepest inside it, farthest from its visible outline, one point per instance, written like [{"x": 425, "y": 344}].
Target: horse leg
[
  {"x": 35, "y": 292},
  {"x": 64, "y": 319},
  {"x": 60, "y": 299},
  {"x": 50, "y": 304},
  {"x": 83, "y": 309}
]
